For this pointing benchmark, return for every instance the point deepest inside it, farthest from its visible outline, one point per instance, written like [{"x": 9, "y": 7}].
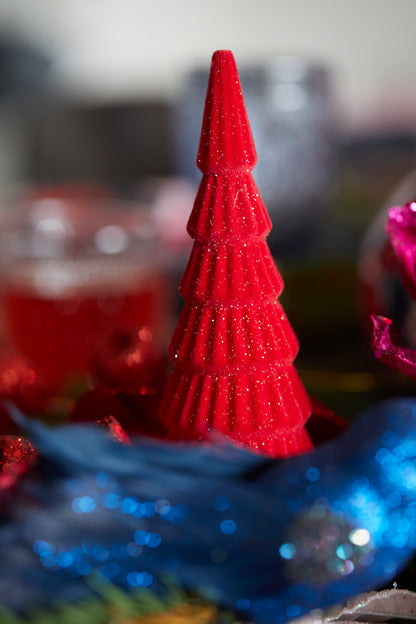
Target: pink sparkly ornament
[
  {"x": 401, "y": 229},
  {"x": 387, "y": 351},
  {"x": 233, "y": 347}
]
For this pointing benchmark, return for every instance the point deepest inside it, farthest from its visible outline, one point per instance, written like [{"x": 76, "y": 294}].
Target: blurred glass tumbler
[
  {"x": 290, "y": 107},
  {"x": 74, "y": 268}
]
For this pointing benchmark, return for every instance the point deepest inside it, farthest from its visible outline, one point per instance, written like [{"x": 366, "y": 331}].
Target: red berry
[
  {"x": 129, "y": 359},
  {"x": 17, "y": 456}
]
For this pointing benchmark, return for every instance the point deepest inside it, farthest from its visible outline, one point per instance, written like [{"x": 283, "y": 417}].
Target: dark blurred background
[{"x": 112, "y": 94}]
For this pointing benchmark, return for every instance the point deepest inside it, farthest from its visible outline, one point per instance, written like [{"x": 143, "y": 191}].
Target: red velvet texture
[{"x": 233, "y": 347}]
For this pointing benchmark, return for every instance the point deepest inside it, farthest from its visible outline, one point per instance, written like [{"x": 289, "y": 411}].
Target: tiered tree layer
[{"x": 233, "y": 347}]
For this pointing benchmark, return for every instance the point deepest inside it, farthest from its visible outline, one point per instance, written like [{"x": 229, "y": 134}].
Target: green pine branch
[{"x": 110, "y": 604}]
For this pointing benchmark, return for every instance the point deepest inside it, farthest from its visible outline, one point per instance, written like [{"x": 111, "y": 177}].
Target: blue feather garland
[{"x": 272, "y": 539}]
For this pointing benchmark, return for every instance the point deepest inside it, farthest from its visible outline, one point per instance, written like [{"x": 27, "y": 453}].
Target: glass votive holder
[{"x": 76, "y": 265}]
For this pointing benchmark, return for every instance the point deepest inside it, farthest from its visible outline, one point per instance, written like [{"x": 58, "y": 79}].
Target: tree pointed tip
[
  {"x": 223, "y": 54},
  {"x": 226, "y": 140}
]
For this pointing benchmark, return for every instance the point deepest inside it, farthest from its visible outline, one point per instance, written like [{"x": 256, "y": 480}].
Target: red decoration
[
  {"x": 131, "y": 371},
  {"x": 129, "y": 359},
  {"x": 106, "y": 406},
  {"x": 99, "y": 404},
  {"x": 401, "y": 359},
  {"x": 324, "y": 424},
  {"x": 401, "y": 229},
  {"x": 17, "y": 456},
  {"x": 21, "y": 384},
  {"x": 233, "y": 347},
  {"x": 115, "y": 429}
]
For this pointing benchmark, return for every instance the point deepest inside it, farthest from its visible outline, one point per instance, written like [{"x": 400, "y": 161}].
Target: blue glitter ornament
[{"x": 270, "y": 538}]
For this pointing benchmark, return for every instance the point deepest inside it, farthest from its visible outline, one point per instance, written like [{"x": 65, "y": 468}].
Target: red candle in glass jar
[{"x": 73, "y": 272}]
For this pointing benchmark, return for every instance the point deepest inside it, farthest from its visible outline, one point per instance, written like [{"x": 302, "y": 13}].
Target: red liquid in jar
[{"x": 58, "y": 332}]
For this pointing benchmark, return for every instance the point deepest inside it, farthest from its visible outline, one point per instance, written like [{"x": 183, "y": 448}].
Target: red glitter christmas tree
[{"x": 233, "y": 347}]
